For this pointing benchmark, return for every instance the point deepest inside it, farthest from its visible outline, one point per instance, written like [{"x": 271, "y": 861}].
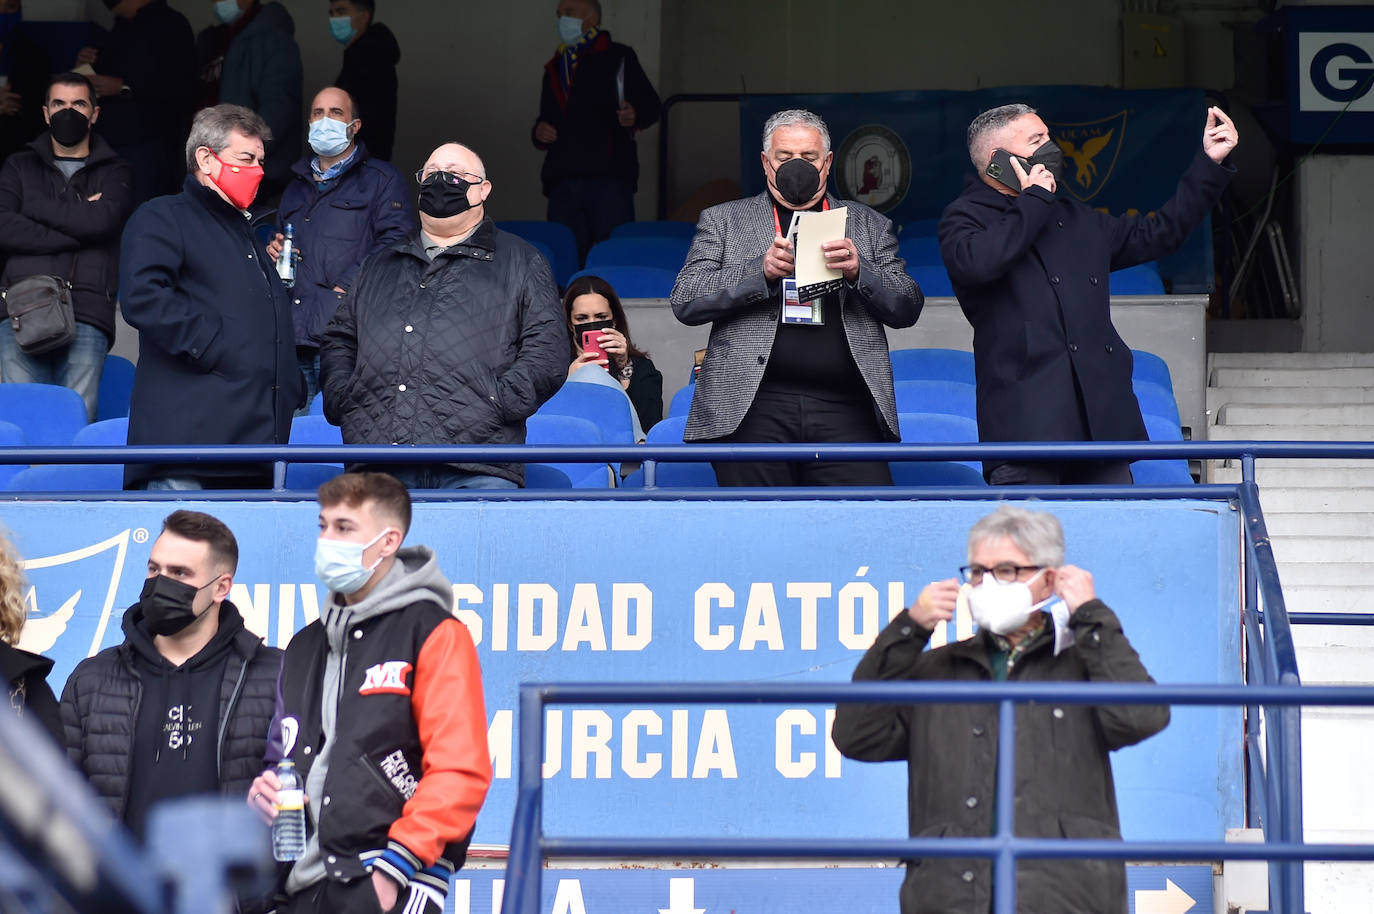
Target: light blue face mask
[
  {"x": 569, "y": 29},
  {"x": 341, "y": 27},
  {"x": 227, "y": 11},
  {"x": 329, "y": 137},
  {"x": 339, "y": 564}
]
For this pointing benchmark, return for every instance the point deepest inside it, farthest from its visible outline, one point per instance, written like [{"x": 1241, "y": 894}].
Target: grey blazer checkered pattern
[{"x": 722, "y": 282}]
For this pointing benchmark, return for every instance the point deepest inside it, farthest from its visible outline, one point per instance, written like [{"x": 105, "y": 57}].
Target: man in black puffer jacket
[
  {"x": 63, "y": 204},
  {"x": 183, "y": 706},
  {"x": 452, "y": 337}
]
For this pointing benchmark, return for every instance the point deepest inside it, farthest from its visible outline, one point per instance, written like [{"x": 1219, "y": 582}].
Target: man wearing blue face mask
[
  {"x": 369, "y": 68},
  {"x": 344, "y": 206},
  {"x": 385, "y": 692},
  {"x": 1038, "y": 619}
]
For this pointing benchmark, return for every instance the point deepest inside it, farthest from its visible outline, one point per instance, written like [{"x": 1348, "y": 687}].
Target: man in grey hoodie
[{"x": 384, "y": 695}]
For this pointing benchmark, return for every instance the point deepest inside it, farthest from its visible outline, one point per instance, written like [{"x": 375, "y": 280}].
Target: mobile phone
[
  {"x": 1000, "y": 170},
  {"x": 591, "y": 342}
]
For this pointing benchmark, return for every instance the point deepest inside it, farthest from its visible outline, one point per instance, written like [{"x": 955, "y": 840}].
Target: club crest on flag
[{"x": 1090, "y": 153}]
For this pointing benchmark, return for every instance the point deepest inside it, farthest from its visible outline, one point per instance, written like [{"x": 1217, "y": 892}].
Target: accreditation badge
[{"x": 796, "y": 311}]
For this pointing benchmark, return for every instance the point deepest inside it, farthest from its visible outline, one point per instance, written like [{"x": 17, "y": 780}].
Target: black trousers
[
  {"x": 359, "y": 897},
  {"x": 786, "y": 417},
  {"x": 1065, "y": 473}
]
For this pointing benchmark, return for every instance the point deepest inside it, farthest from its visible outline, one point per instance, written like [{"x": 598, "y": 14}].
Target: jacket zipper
[{"x": 224, "y": 719}]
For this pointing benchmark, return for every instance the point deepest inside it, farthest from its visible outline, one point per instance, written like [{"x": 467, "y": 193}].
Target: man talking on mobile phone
[{"x": 1030, "y": 269}]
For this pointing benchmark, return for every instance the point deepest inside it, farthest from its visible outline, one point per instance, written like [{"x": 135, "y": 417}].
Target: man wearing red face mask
[{"x": 217, "y": 354}]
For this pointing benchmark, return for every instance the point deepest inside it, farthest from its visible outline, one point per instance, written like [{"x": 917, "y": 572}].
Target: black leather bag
[{"x": 40, "y": 312}]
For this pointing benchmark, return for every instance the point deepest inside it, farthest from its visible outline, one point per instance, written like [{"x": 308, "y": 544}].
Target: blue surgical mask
[
  {"x": 329, "y": 137},
  {"x": 227, "y": 11},
  {"x": 341, "y": 27},
  {"x": 339, "y": 564},
  {"x": 569, "y": 29}
]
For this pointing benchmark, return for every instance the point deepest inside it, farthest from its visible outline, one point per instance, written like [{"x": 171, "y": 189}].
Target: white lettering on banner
[
  {"x": 857, "y": 622},
  {"x": 791, "y": 764},
  {"x": 722, "y": 637},
  {"x": 761, "y": 622},
  {"x": 591, "y": 748},
  {"x": 498, "y": 895},
  {"x": 256, "y": 609},
  {"x": 810, "y": 595},
  {"x": 568, "y": 898},
  {"x": 538, "y": 620}
]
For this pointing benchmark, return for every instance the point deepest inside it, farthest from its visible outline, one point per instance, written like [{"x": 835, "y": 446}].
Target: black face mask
[
  {"x": 1051, "y": 156},
  {"x": 167, "y": 604},
  {"x": 797, "y": 181},
  {"x": 69, "y": 127},
  {"x": 441, "y": 200}
]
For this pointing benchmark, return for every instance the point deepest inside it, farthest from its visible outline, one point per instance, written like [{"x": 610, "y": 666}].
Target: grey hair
[
  {"x": 994, "y": 120},
  {"x": 1036, "y": 533},
  {"x": 212, "y": 126},
  {"x": 794, "y": 117}
]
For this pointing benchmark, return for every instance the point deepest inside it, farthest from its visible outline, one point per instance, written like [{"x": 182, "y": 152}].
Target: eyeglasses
[
  {"x": 448, "y": 177},
  {"x": 1005, "y": 573}
]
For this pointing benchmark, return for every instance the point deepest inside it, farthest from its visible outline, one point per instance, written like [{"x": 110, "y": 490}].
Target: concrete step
[
  {"x": 1326, "y": 574},
  {"x": 1324, "y": 549},
  {"x": 1218, "y": 397},
  {"x": 1314, "y": 475},
  {"x": 1328, "y": 598},
  {"x": 1310, "y": 501},
  {"x": 1291, "y": 377},
  {"x": 1303, "y": 523},
  {"x": 1281, "y": 432},
  {"x": 1345, "y": 414},
  {"x": 1291, "y": 360},
  {"x": 1270, "y": 463}
]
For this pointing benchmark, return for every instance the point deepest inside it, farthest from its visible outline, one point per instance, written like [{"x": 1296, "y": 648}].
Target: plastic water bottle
[
  {"x": 288, "y": 828},
  {"x": 286, "y": 260}
]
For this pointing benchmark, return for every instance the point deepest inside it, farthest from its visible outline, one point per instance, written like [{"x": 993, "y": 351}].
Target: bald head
[
  {"x": 455, "y": 158},
  {"x": 333, "y": 103}
]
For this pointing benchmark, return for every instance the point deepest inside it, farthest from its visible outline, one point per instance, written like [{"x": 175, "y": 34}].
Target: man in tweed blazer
[{"x": 766, "y": 381}]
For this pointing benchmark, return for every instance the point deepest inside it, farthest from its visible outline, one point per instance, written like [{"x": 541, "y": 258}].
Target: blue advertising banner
[
  {"x": 906, "y": 153},
  {"x": 687, "y": 591},
  {"x": 1330, "y": 73}
]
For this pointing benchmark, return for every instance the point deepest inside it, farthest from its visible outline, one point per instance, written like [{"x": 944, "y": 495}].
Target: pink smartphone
[{"x": 591, "y": 342}]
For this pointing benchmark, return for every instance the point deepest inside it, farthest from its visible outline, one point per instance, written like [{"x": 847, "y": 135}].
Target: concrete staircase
[{"x": 1320, "y": 515}]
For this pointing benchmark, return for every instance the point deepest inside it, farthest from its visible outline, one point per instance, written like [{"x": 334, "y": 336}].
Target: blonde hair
[{"x": 13, "y": 612}]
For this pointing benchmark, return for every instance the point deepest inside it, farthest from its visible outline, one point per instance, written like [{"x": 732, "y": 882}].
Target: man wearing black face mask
[
  {"x": 183, "y": 705},
  {"x": 451, "y": 336},
  {"x": 766, "y": 379},
  {"x": 63, "y": 204},
  {"x": 1030, "y": 269}
]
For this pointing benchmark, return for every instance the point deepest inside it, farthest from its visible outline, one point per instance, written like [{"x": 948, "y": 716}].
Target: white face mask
[
  {"x": 1003, "y": 608},
  {"x": 339, "y": 564}
]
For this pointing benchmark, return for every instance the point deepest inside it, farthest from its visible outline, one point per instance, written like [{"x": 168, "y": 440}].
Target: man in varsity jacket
[{"x": 380, "y": 707}]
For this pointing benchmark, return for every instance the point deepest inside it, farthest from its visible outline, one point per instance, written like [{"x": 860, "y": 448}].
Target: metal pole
[
  {"x": 525, "y": 866},
  {"x": 1004, "y": 877}
]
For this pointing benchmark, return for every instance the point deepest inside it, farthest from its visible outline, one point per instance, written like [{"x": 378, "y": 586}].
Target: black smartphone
[{"x": 1000, "y": 170}]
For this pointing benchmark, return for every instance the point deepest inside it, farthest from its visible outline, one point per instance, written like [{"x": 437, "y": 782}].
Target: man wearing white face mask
[
  {"x": 344, "y": 206},
  {"x": 1039, "y": 619},
  {"x": 385, "y": 693}
]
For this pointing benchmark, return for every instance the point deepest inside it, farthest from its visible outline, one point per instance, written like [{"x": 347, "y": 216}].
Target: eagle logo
[{"x": 1093, "y": 148}]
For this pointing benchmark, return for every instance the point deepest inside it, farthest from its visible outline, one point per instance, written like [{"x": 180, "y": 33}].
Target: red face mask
[{"x": 239, "y": 182}]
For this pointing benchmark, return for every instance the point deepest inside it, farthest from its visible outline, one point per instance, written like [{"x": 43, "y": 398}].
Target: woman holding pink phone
[{"x": 601, "y": 336}]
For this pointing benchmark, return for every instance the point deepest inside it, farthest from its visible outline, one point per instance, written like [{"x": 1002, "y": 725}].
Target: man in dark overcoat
[{"x": 1030, "y": 269}]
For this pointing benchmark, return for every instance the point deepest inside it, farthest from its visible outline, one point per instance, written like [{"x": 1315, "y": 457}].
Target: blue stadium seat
[
  {"x": 1155, "y": 400},
  {"x": 105, "y": 433},
  {"x": 116, "y": 388},
  {"x": 1160, "y": 472},
  {"x": 1161, "y": 429},
  {"x": 634, "y": 282},
  {"x": 11, "y": 435},
  {"x": 306, "y": 430},
  {"x": 655, "y": 228},
  {"x": 932, "y": 365},
  {"x": 686, "y": 475},
  {"x": 920, "y": 251},
  {"x": 681, "y": 403},
  {"x": 664, "y": 253},
  {"x": 317, "y": 404},
  {"x": 544, "y": 476},
  {"x": 557, "y": 236},
  {"x": 99, "y": 477},
  {"x": 938, "y": 428},
  {"x": 919, "y": 227},
  {"x": 48, "y": 414},
  {"x": 932, "y": 279},
  {"x": 605, "y": 407},
  {"x": 1146, "y": 366},
  {"x": 955, "y": 398},
  {"x": 555, "y": 429},
  {"x": 1141, "y": 279}
]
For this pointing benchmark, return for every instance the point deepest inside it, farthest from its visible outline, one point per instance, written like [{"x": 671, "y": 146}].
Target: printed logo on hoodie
[{"x": 386, "y": 678}]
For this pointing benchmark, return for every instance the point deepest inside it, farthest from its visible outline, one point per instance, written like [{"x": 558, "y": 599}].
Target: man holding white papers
[{"x": 797, "y": 350}]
